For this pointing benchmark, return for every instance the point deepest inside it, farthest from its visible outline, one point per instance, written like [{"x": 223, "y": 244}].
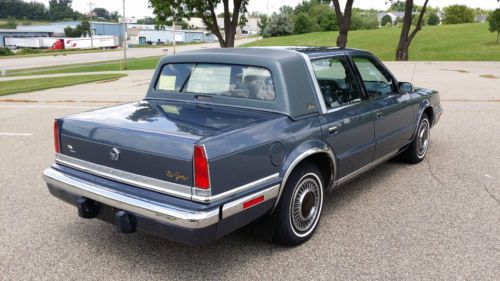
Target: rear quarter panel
[{"x": 244, "y": 156}]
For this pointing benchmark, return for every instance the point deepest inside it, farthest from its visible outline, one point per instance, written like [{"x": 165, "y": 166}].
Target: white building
[{"x": 167, "y": 36}]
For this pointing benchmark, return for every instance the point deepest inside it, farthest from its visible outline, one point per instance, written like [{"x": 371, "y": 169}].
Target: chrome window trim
[
  {"x": 318, "y": 89},
  {"x": 147, "y": 208},
  {"x": 235, "y": 207},
  {"x": 251, "y": 185},
  {"x": 319, "y": 95},
  {"x": 169, "y": 188},
  {"x": 325, "y": 149}
]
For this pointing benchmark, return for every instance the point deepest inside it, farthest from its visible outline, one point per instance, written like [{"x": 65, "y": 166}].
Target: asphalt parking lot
[{"x": 438, "y": 220}]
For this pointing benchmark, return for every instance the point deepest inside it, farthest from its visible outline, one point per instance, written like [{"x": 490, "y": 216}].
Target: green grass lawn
[
  {"x": 25, "y": 22},
  {"x": 133, "y": 64},
  {"x": 30, "y": 85},
  {"x": 461, "y": 42}
]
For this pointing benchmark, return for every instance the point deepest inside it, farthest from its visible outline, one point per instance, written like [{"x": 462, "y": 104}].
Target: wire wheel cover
[{"x": 305, "y": 204}]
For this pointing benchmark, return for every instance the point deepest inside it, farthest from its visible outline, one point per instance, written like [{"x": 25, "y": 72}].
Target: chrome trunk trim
[
  {"x": 169, "y": 188},
  {"x": 165, "y": 187}
]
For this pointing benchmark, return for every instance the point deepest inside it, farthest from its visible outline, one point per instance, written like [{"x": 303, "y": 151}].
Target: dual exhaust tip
[{"x": 89, "y": 209}]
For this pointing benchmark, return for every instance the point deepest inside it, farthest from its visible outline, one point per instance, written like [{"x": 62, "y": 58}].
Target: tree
[
  {"x": 386, "y": 19},
  {"x": 433, "y": 19},
  {"x": 20, "y": 9},
  {"x": 406, "y": 37},
  {"x": 262, "y": 24},
  {"x": 70, "y": 32},
  {"x": 494, "y": 23},
  {"x": 79, "y": 31},
  {"x": 456, "y": 14},
  {"x": 324, "y": 15},
  {"x": 114, "y": 16},
  {"x": 397, "y": 6},
  {"x": 302, "y": 23},
  {"x": 343, "y": 20},
  {"x": 85, "y": 27},
  {"x": 101, "y": 13},
  {"x": 279, "y": 24},
  {"x": 204, "y": 9},
  {"x": 61, "y": 9}
]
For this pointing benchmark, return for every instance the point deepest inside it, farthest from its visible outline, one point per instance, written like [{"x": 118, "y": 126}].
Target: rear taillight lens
[
  {"x": 56, "y": 136},
  {"x": 201, "y": 178}
]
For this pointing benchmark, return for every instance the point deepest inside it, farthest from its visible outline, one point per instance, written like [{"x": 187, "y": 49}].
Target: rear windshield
[{"x": 218, "y": 79}]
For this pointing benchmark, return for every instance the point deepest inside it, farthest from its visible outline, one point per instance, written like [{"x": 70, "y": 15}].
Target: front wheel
[
  {"x": 299, "y": 209},
  {"x": 418, "y": 147}
]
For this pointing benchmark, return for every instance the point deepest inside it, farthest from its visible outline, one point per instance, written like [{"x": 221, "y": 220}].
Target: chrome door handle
[
  {"x": 333, "y": 130},
  {"x": 380, "y": 115}
]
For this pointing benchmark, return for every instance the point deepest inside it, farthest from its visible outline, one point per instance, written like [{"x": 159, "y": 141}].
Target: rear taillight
[
  {"x": 201, "y": 177},
  {"x": 56, "y": 136}
]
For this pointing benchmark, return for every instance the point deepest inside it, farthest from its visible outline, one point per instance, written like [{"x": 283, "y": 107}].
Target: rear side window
[{"x": 218, "y": 79}]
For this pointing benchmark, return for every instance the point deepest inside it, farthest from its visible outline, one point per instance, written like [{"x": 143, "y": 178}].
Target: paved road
[
  {"x": 438, "y": 220},
  {"x": 42, "y": 61}
]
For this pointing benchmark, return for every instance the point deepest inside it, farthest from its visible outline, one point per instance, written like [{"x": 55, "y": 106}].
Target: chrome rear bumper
[{"x": 157, "y": 211}]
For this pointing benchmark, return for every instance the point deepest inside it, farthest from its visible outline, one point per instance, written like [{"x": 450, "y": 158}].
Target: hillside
[{"x": 432, "y": 43}]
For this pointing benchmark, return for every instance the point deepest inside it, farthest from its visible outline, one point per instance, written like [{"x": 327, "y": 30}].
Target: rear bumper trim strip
[{"x": 149, "y": 209}]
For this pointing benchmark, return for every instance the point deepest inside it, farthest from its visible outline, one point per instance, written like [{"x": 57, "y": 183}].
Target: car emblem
[
  {"x": 177, "y": 176},
  {"x": 114, "y": 154}
]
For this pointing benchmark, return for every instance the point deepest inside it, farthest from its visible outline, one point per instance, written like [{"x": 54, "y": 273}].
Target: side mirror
[{"x": 405, "y": 87}]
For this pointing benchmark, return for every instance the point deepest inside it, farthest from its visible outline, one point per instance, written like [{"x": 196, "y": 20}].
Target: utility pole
[
  {"x": 90, "y": 23},
  {"x": 173, "y": 29},
  {"x": 124, "y": 39}
]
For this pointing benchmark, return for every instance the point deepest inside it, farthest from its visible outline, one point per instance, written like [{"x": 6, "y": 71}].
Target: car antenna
[{"x": 414, "y": 69}]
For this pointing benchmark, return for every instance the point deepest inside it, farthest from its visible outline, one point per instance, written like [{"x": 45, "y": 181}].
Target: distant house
[
  {"x": 481, "y": 18},
  {"x": 393, "y": 15}
]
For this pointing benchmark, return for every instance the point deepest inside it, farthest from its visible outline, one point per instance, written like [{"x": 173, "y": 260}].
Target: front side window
[
  {"x": 336, "y": 82},
  {"x": 218, "y": 80},
  {"x": 376, "y": 80}
]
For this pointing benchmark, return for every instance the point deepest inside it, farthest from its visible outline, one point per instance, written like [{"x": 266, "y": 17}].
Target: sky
[{"x": 139, "y": 8}]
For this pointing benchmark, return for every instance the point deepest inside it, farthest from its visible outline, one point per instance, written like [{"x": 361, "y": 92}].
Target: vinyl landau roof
[
  {"x": 280, "y": 52},
  {"x": 293, "y": 81}
]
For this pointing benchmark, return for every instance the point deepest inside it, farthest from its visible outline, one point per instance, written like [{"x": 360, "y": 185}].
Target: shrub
[
  {"x": 302, "y": 23},
  {"x": 433, "y": 19},
  {"x": 5, "y": 52},
  {"x": 26, "y": 51},
  {"x": 456, "y": 14},
  {"x": 279, "y": 24},
  {"x": 386, "y": 20}
]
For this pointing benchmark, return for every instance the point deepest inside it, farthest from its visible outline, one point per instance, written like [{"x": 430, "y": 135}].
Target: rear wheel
[
  {"x": 299, "y": 209},
  {"x": 418, "y": 147}
]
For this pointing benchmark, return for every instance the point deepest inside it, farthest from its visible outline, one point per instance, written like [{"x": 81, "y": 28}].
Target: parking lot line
[
  {"x": 47, "y": 106},
  {"x": 16, "y": 134}
]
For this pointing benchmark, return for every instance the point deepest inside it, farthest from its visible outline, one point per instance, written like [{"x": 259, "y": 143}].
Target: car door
[
  {"x": 393, "y": 110},
  {"x": 348, "y": 123}
]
